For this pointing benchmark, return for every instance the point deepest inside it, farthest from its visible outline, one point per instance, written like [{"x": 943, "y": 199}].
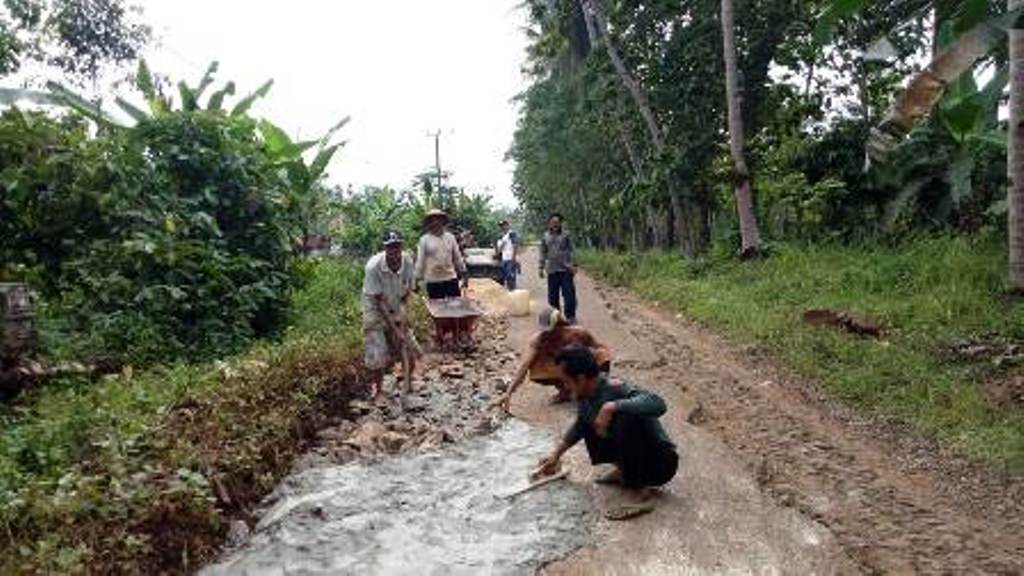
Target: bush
[
  {"x": 142, "y": 473},
  {"x": 154, "y": 243}
]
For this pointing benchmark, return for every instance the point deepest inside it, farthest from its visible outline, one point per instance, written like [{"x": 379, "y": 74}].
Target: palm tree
[
  {"x": 597, "y": 28},
  {"x": 1015, "y": 155},
  {"x": 750, "y": 235}
]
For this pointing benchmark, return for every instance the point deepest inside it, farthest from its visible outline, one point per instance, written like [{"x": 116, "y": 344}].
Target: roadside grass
[
  {"x": 928, "y": 294},
  {"x": 143, "y": 472}
]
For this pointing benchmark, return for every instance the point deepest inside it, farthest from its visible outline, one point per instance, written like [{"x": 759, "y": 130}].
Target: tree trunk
[
  {"x": 1015, "y": 155},
  {"x": 597, "y": 26},
  {"x": 749, "y": 233}
]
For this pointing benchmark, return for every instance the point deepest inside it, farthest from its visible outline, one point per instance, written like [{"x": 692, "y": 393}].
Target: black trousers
[
  {"x": 562, "y": 284},
  {"x": 631, "y": 444},
  {"x": 448, "y": 289}
]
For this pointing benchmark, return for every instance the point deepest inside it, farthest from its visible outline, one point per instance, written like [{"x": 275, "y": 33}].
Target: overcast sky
[{"x": 399, "y": 68}]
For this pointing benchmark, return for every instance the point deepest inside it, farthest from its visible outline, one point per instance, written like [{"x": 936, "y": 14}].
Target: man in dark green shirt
[{"x": 619, "y": 424}]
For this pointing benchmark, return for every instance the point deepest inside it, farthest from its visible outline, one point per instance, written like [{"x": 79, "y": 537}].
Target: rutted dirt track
[{"x": 810, "y": 486}]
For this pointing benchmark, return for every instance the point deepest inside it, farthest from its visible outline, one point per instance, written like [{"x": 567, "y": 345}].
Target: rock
[
  {"x": 254, "y": 366},
  {"x": 447, "y": 436},
  {"x": 393, "y": 442},
  {"x": 452, "y": 371},
  {"x": 414, "y": 404},
  {"x": 360, "y": 406},
  {"x": 486, "y": 425},
  {"x": 366, "y": 437},
  {"x": 432, "y": 440},
  {"x": 238, "y": 533},
  {"x": 343, "y": 455},
  {"x": 697, "y": 416}
]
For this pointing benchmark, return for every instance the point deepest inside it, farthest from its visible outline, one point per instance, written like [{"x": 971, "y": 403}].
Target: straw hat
[{"x": 435, "y": 213}]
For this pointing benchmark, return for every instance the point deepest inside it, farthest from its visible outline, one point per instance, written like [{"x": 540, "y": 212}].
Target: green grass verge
[
  {"x": 144, "y": 471},
  {"x": 927, "y": 293}
]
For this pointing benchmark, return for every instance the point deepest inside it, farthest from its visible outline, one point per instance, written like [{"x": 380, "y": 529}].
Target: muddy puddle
[{"x": 444, "y": 511}]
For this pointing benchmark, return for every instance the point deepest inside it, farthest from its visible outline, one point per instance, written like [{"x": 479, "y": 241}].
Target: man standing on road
[
  {"x": 508, "y": 248},
  {"x": 558, "y": 261},
  {"x": 387, "y": 283},
  {"x": 438, "y": 259},
  {"x": 619, "y": 424}
]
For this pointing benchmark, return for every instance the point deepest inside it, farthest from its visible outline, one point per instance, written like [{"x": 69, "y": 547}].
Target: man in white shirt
[
  {"x": 439, "y": 261},
  {"x": 508, "y": 248},
  {"x": 387, "y": 340}
]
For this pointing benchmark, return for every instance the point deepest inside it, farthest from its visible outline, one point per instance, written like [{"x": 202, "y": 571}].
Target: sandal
[
  {"x": 628, "y": 511},
  {"x": 612, "y": 478}
]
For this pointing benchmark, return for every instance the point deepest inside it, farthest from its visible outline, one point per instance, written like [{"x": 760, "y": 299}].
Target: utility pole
[{"x": 437, "y": 164}]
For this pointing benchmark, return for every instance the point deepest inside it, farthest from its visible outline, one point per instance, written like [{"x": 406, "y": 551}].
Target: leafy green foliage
[
  {"x": 76, "y": 36},
  {"x": 365, "y": 217},
  {"x": 816, "y": 76},
  {"x": 163, "y": 241}
]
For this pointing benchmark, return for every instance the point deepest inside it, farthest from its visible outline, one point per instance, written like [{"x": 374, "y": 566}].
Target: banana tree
[
  {"x": 189, "y": 97},
  {"x": 156, "y": 102},
  {"x": 979, "y": 38},
  {"x": 944, "y": 150},
  {"x": 307, "y": 197}
]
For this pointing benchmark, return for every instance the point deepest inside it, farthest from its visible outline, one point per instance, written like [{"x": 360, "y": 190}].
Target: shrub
[{"x": 162, "y": 241}]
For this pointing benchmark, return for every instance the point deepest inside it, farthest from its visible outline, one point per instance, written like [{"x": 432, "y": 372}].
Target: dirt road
[{"x": 773, "y": 479}]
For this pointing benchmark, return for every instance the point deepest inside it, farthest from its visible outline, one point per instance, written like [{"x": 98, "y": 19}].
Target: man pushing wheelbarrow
[{"x": 440, "y": 266}]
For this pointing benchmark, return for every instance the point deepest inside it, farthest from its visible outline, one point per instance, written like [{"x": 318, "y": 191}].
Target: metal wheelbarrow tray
[{"x": 454, "y": 321}]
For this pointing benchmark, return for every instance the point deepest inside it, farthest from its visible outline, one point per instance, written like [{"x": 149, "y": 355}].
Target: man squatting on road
[
  {"x": 619, "y": 424},
  {"x": 387, "y": 283}
]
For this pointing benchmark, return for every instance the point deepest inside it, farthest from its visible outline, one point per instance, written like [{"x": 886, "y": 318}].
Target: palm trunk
[
  {"x": 1015, "y": 155},
  {"x": 750, "y": 235},
  {"x": 597, "y": 27}
]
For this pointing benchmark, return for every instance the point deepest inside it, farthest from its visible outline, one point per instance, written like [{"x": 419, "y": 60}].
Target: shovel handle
[{"x": 538, "y": 483}]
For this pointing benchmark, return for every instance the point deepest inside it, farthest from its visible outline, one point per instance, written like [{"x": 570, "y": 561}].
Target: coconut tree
[
  {"x": 597, "y": 27},
  {"x": 1015, "y": 159},
  {"x": 750, "y": 234}
]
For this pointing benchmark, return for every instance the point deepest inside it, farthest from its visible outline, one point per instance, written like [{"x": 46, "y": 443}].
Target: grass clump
[
  {"x": 929, "y": 294},
  {"x": 144, "y": 471}
]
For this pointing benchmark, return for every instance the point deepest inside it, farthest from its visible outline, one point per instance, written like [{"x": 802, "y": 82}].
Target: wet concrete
[{"x": 438, "y": 512}]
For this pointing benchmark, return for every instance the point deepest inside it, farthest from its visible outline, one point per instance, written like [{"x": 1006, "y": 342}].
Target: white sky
[{"x": 399, "y": 68}]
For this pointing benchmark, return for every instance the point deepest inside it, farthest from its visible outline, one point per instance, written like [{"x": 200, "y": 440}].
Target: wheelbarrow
[{"x": 454, "y": 321}]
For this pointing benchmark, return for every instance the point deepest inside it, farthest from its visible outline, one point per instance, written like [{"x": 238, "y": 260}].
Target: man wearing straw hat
[
  {"x": 439, "y": 262},
  {"x": 387, "y": 283}
]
